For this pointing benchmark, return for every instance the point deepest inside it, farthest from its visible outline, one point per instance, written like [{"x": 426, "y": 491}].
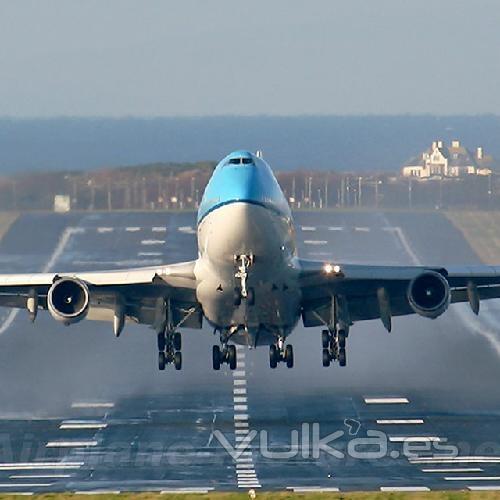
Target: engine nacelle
[
  {"x": 68, "y": 300},
  {"x": 429, "y": 294}
]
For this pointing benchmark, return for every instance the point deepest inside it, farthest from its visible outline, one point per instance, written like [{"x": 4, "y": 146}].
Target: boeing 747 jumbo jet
[{"x": 248, "y": 281}]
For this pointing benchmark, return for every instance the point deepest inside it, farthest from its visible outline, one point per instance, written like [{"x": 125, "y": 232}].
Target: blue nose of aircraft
[{"x": 242, "y": 177}]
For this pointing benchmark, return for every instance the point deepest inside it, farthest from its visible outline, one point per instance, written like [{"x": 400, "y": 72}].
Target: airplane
[{"x": 248, "y": 281}]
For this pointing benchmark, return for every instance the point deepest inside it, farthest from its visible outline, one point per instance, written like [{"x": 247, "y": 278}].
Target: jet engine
[
  {"x": 429, "y": 294},
  {"x": 68, "y": 300}
]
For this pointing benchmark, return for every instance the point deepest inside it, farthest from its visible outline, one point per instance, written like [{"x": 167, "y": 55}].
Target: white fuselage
[{"x": 241, "y": 228}]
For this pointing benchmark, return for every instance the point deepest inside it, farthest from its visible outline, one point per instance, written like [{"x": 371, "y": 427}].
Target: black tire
[
  {"x": 177, "y": 341},
  {"x": 273, "y": 356},
  {"x": 161, "y": 360},
  {"x": 326, "y": 358},
  {"x": 231, "y": 356},
  {"x": 325, "y": 339},
  {"x": 342, "y": 357},
  {"x": 178, "y": 360},
  {"x": 216, "y": 357},
  {"x": 251, "y": 297},
  {"x": 161, "y": 341},
  {"x": 289, "y": 356},
  {"x": 237, "y": 297},
  {"x": 342, "y": 337}
]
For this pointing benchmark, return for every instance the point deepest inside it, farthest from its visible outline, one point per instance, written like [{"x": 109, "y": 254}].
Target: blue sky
[{"x": 232, "y": 57}]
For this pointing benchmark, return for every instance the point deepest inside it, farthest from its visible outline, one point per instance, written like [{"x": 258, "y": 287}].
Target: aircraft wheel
[
  {"x": 177, "y": 341},
  {"x": 289, "y": 356},
  {"x": 237, "y": 297},
  {"x": 251, "y": 297},
  {"x": 325, "y": 339},
  {"x": 273, "y": 356},
  {"x": 342, "y": 357},
  {"x": 326, "y": 357},
  {"x": 161, "y": 341},
  {"x": 342, "y": 337},
  {"x": 216, "y": 357},
  {"x": 231, "y": 355},
  {"x": 178, "y": 360},
  {"x": 161, "y": 360}
]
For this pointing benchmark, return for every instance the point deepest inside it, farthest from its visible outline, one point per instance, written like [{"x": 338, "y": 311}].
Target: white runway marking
[
  {"x": 404, "y": 488},
  {"x": 98, "y": 492},
  {"x": 401, "y": 421},
  {"x": 315, "y": 242},
  {"x": 82, "y": 424},
  {"x": 40, "y": 476},
  {"x": 241, "y": 424},
  {"x": 451, "y": 470},
  {"x": 159, "y": 229},
  {"x": 239, "y": 382},
  {"x": 472, "y": 478},
  {"x": 186, "y": 230},
  {"x": 386, "y": 401},
  {"x": 25, "y": 485},
  {"x": 150, "y": 254},
  {"x": 91, "y": 404},
  {"x": 152, "y": 242},
  {"x": 240, "y": 399},
  {"x": 447, "y": 459},
  {"x": 414, "y": 439},
  {"x": 308, "y": 228},
  {"x": 187, "y": 491},
  {"x": 105, "y": 229},
  {"x": 239, "y": 391},
  {"x": 40, "y": 465},
  {"x": 484, "y": 488},
  {"x": 70, "y": 444},
  {"x": 312, "y": 489},
  {"x": 335, "y": 228},
  {"x": 362, "y": 229},
  {"x": 132, "y": 229}
]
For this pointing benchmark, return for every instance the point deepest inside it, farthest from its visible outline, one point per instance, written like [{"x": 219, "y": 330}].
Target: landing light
[{"x": 329, "y": 268}]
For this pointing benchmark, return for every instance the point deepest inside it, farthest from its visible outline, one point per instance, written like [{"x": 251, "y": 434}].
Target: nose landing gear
[{"x": 225, "y": 355}]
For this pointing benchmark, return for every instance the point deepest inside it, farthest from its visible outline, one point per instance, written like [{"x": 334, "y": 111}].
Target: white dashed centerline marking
[
  {"x": 132, "y": 229},
  {"x": 40, "y": 465},
  {"x": 82, "y": 424},
  {"x": 386, "y": 401},
  {"x": 308, "y": 228},
  {"x": 315, "y": 242},
  {"x": 472, "y": 478},
  {"x": 484, "y": 488},
  {"x": 414, "y": 439},
  {"x": 159, "y": 229},
  {"x": 451, "y": 471},
  {"x": 105, "y": 229},
  {"x": 404, "y": 488},
  {"x": 335, "y": 228},
  {"x": 71, "y": 444},
  {"x": 90, "y": 404},
  {"x": 362, "y": 229},
  {"x": 152, "y": 242},
  {"x": 150, "y": 254},
  {"x": 312, "y": 489},
  {"x": 401, "y": 421}
]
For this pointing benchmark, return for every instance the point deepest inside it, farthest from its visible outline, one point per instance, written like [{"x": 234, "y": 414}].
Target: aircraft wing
[
  {"x": 368, "y": 292},
  {"x": 145, "y": 295}
]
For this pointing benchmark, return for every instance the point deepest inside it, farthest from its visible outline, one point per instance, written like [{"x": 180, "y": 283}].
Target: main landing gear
[
  {"x": 280, "y": 353},
  {"x": 169, "y": 349},
  {"x": 334, "y": 346}
]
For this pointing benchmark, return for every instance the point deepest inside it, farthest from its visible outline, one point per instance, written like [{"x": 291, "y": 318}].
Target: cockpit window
[{"x": 240, "y": 161}]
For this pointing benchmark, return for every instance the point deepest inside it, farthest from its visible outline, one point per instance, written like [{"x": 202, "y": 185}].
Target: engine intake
[
  {"x": 429, "y": 294},
  {"x": 68, "y": 300}
]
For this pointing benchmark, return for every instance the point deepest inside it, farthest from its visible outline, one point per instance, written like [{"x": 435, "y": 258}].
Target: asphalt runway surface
[{"x": 417, "y": 408}]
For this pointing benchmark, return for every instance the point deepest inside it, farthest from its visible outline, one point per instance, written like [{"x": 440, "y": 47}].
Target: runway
[{"x": 83, "y": 411}]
